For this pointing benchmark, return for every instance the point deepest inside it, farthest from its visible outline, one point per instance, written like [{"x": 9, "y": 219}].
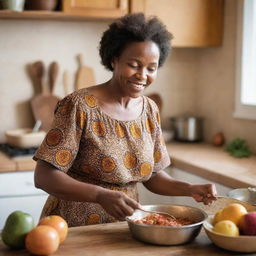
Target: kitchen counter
[
  {"x": 213, "y": 163},
  {"x": 201, "y": 159},
  {"x": 21, "y": 163},
  {"x": 115, "y": 239}
]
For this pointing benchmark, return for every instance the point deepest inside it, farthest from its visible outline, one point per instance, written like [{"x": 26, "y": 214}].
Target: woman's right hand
[{"x": 116, "y": 203}]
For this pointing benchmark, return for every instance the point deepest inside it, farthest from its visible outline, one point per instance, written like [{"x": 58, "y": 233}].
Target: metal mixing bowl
[
  {"x": 167, "y": 235},
  {"x": 244, "y": 194}
]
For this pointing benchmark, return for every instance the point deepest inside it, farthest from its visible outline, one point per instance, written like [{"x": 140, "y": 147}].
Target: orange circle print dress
[{"x": 93, "y": 147}]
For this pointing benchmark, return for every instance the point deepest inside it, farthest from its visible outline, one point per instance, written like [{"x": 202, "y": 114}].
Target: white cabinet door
[
  {"x": 147, "y": 197},
  {"x": 17, "y": 192}
]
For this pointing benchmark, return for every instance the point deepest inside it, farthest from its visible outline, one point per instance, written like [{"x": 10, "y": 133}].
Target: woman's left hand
[{"x": 205, "y": 193}]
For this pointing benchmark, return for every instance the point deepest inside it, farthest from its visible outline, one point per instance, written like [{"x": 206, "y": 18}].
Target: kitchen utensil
[
  {"x": 162, "y": 213},
  {"x": 37, "y": 126},
  {"x": 187, "y": 128},
  {"x": 157, "y": 99},
  {"x": 24, "y": 138},
  {"x": 167, "y": 235},
  {"x": 43, "y": 104},
  {"x": 53, "y": 72},
  {"x": 66, "y": 83},
  {"x": 244, "y": 194},
  {"x": 84, "y": 75}
]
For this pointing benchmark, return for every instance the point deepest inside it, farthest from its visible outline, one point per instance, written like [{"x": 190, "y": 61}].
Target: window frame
[{"x": 243, "y": 111}]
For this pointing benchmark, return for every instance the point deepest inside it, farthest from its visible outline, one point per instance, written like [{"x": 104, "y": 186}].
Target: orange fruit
[
  {"x": 42, "y": 240},
  {"x": 226, "y": 227},
  {"x": 217, "y": 217},
  {"x": 58, "y": 223},
  {"x": 233, "y": 212}
]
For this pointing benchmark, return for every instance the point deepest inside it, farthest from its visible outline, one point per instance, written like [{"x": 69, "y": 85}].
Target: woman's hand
[
  {"x": 205, "y": 193},
  {"x": 116, "y": 203}
]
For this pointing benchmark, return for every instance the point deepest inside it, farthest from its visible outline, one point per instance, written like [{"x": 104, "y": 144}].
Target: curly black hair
[{"x": 133, "y": 28}]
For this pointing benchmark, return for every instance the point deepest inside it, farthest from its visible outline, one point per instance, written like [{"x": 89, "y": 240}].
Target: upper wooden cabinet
[
  {"x": 193, "y": 23},
  {"x": 96, "y": 8}
]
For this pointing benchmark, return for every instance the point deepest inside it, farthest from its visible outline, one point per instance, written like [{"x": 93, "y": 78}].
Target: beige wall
[
  {"x": 215, "y": 89},
  {"x": 25, "y": 42},
  {"x": 195, "y": 81}
]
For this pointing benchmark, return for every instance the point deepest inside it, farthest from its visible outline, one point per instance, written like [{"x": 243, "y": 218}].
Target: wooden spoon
[
  {"x": 66, "y": 79},
  {"x": 39, "y": 73},
  {"x": 53, "y": 72}
]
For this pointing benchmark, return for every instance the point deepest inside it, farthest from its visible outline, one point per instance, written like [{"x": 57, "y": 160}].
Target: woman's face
[{"x": 136, "y": 68}]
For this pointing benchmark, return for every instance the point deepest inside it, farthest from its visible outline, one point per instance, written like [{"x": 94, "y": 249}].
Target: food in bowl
[
  {"x": 230, "y": 220},
  {"x": 167, "y": 235},
  {"x": 163, "y": 220},
  {"x": 227, "y": 230},
  {"x": 239, "y": 243}
]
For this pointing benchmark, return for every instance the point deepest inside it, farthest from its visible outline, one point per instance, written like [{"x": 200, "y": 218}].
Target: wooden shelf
[{"x": 47, "y": 15}]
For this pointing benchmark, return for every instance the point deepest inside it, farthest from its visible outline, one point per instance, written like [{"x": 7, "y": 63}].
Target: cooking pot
[{"x": 187, "y": 128}]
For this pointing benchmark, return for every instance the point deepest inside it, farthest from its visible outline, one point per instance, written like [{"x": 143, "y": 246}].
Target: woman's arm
[
  {"x": 60, "y": 185},
  {"x": 163, "y": 184}
]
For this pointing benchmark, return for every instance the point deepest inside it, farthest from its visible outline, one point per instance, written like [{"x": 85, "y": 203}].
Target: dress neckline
[{"x": 102, "y": 112}]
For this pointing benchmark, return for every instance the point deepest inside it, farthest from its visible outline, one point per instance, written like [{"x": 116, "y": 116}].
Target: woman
[{"x": 106, "y": 138}]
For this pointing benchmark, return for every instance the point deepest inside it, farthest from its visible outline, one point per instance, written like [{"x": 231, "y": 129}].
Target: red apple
[{"x": 247, "y": 224}]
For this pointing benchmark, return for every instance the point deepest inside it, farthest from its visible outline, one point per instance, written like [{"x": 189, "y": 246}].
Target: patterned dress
[{"x": 93, "y": 147}]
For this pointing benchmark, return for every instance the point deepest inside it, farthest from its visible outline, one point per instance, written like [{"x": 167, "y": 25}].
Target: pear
[{"x": 17, "y": 226}]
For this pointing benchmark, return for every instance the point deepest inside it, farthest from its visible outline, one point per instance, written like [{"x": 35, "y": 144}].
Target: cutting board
[
  {"x": 84, "y": 75},
  {"x": 43, "y": 104},
  {"x": 66, "y": 83}
]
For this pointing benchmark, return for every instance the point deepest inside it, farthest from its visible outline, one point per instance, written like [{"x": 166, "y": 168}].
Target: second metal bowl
[
  {"x": 167, "y": 235},
  {"x": 244, "y": 194}
]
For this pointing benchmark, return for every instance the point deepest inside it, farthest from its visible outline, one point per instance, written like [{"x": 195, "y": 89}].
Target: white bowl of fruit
[{"x": 233, "y": 228}]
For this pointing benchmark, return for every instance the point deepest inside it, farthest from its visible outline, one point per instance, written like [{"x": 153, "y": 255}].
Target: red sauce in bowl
[{"x": 163, "y": 220}]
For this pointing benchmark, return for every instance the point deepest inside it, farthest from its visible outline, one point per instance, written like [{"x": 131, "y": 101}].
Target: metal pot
[{"x": 187, "y": 128}]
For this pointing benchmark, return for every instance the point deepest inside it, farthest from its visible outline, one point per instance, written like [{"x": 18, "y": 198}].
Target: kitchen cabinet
[
  {"x": 146, "y": 197},
  {"x": 96, "y": 8},
  {"x": 17, "y": 192},
  {"x": 193, "y": 23},
  {"x": 79, "y": 10}
]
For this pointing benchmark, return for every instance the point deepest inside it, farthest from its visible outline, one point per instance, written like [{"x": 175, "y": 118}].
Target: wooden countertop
[
  {"x": 8, "y": 164},
  {"x": 213, "y": 163},
  {"x": 115, "y": 239},
  {"x": 201, "y": 159}
]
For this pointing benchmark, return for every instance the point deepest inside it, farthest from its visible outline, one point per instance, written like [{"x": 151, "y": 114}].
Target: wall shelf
[{"x": 47, "y": 15}]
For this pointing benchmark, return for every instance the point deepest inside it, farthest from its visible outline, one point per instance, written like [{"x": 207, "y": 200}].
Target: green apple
[{"x": 17, "y": 226}]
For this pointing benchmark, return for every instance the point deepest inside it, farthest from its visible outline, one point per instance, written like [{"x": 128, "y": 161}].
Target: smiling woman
[{"x": 111, "y": 134}]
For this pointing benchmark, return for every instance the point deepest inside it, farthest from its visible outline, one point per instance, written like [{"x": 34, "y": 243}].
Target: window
[{"x": 245, "y": 106}]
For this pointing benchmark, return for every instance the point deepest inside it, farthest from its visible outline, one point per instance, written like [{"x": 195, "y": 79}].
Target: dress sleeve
[
  {"x": 161, "y": 155},
  {"x": 61, "y": 143}
]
